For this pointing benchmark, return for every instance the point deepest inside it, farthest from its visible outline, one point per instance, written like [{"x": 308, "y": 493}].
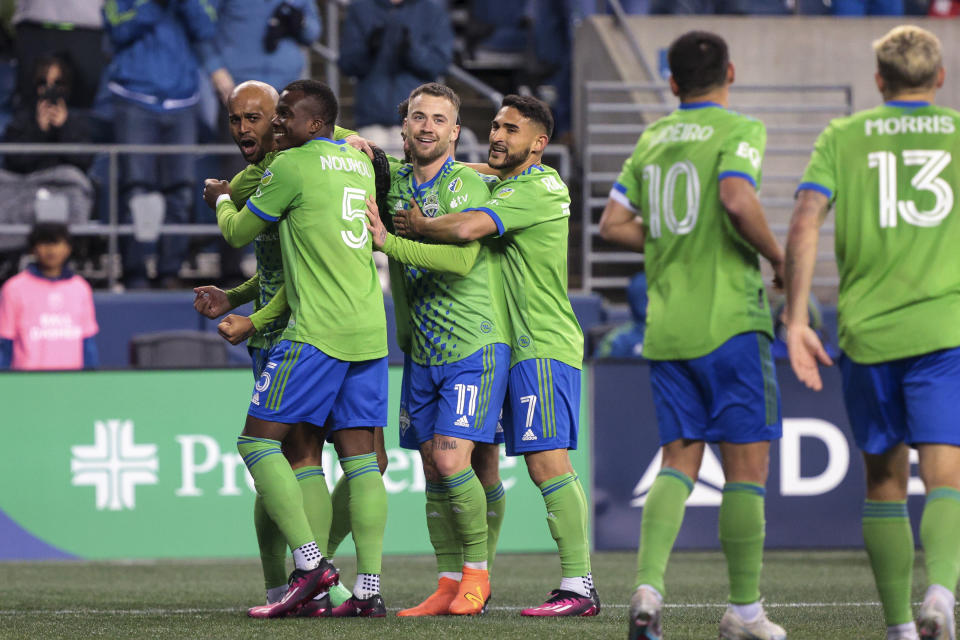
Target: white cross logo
[{"x": 114, "y": 465}]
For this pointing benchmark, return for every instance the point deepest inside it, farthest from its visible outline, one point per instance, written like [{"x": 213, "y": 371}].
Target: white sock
[
  {"x": 476, "y": 565},
  {"x": 650, "y": 588},
  {"x": 368, "y": 584},
  {"x": 577, "y": 585},
  {"x": 943, "y": 592},
  {"x": 748, "y": 612},
  {"x": 275, "y": 594},
  {"x": 307, "y": 557},
  {"x": 589, "y": 579},
  {"x": 453, "y": 575},
  {"x": 905, "y": 631}
]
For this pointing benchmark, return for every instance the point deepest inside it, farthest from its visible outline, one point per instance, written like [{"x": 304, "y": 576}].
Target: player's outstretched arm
[
  {"x": 453, "y": 228},
  {"x": 739, "y": 198},
  {"x": 445, "y": 258},
  {"x": 621, "y": 226},
  {"x": 803, "y": 344},
  {"x": 239, "y": 227},
  {"x": 270, "y": 312}
]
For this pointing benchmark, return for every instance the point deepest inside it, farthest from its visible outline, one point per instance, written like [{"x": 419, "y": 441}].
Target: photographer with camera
[{"x": 47, "y": 118}]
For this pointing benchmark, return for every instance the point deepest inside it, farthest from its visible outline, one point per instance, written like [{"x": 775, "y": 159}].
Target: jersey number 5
[
  {"x": 932, "y": 162},
  {"x": 354, "y": 208},
  {"x": 661, "y": 200}
]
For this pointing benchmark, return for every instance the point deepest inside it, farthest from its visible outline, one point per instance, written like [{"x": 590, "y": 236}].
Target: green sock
[
  {"x": 368, "y": 509},
  {"x": 340, "y": 526},
  {"x": 468, "y": 503},
  {"x": 316, "y": 502},
  {"x": 662, "y": 517},
  {"x": 938, "y": 533},
  {"x": 565, "y": 517},
  {"x": 889, "y": 542},
  {"x": 273, "y": 547},
  {"x": 496, "y": 507},
  {"x": 278, "y": 488},
  {"x": 440, "y": 526},
  {"x": 741, "y": 536}
]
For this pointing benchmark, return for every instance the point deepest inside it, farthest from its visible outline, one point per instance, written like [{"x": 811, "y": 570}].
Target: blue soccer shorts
[
  {"x": 913, "y": 400},
  {"x": 258, "y": 360},
  {"x": 542, "y": 412},
  {"x": 728, "y": 395},
  {"x": 459, "y": 399},
  {"x": 300, "y": 383}
]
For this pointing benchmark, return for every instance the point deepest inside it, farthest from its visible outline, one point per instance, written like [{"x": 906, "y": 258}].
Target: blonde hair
[{"x": 908, "y": 57}]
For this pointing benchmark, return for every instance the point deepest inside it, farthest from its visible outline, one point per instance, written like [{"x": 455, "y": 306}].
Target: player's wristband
[{"x": 221, "y": 198}]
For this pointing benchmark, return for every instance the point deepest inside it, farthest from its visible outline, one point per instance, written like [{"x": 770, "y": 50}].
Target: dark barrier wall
[{"x": 815, "y": 489}]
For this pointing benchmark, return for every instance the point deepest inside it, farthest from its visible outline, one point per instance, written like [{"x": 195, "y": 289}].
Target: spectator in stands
[
  {"x": 262, "y": 41},
  {"x": 47, "y": 117},
  {"x": 391, "y": 47},
  {"x": 47, "y": 320},
  {"x": 52, "y": 187},
  {"x": 153, "y": 79},
  {"x": 73, "y": 30},
  {"x": 626, "y": 341},
  {"x": 553, "y": 28}
]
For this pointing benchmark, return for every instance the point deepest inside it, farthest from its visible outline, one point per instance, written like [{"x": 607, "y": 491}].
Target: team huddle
[{"x": 493, "y": 351}]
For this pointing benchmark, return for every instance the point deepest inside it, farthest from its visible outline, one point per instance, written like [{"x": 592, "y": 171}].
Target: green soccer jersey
[
  {"x": 266, "y": 248},
  {"x": 317, "y": 192},
  {"x": 890, "y": 174},
  {"x": 532, "y": 212},
  {"x": 450, "y": 316},
  {"x": 703, "y": 279}
]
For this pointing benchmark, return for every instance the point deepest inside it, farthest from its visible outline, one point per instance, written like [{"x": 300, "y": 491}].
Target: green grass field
[{"x": 815, "y": 595}]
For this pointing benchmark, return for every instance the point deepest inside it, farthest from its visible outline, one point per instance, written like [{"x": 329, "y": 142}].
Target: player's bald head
[{"x": 255, "y": 90}]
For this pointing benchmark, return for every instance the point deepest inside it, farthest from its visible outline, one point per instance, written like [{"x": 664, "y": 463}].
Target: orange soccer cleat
[
  {"x": 473, "y": 594},
  {"x": 438, "y": 604}
]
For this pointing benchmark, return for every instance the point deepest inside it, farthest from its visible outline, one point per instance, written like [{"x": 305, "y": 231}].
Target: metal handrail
[
  {"x": 595, "y": 177},
  {"x": 113, "y": 229}
]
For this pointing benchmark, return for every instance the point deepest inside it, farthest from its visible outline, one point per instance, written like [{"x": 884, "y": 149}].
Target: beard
[
  {"x": 427, "y": 158},
  {"x": 510, "y": 160}
]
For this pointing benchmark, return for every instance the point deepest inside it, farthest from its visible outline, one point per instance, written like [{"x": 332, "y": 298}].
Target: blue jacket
[
  {"x": 238, "y": 47},
  {"x": 153, "y": 60},
  {"x": 416, "y": 46}
]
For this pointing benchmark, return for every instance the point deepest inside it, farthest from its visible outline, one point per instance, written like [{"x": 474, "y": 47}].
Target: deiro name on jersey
[
  {"x": 910, "y": 124},
  {"x": 339, "y": 163},
  {"x": 682, "y": 132}
]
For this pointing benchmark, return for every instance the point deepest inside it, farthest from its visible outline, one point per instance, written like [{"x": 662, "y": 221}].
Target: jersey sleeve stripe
[
  {"x": 492, "y": 214},
  {"x": 619, "y": 187},
  {"x": 616, "y": 196},
  {"x": 813, "y": 186},
  {"x": 738, "y": 174},
  {"x": 260, "y": 213}
]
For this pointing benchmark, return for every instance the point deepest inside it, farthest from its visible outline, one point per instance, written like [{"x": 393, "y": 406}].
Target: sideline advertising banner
[
  {"x": 815, "y": 488},
  {"x": 139, "y": 464}
]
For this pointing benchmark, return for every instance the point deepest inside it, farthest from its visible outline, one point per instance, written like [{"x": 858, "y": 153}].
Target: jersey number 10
[
  {"x": 661, "y": 198},
  {"x": 932, "y": 163}
]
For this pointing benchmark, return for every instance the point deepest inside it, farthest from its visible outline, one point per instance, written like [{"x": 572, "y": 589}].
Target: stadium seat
[{"x": 178, "y": 349}]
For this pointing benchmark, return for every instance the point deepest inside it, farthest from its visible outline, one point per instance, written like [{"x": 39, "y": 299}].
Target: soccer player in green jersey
[
  {"x": 889, "y": 174},
  {"x": 687, "y": 199},
  {"x": 251, "y": 108},
  {"x": 529, "y": 210},
  {"x": 330, "y": 366},
  {"x": 458, "y": 357}
]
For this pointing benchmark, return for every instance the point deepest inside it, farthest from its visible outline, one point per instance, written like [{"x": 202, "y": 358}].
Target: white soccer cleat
[
  {"x": 936, "y": 619},
  {"x": 733, "y": 627},
  {"x": 645, "y": 608}
]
